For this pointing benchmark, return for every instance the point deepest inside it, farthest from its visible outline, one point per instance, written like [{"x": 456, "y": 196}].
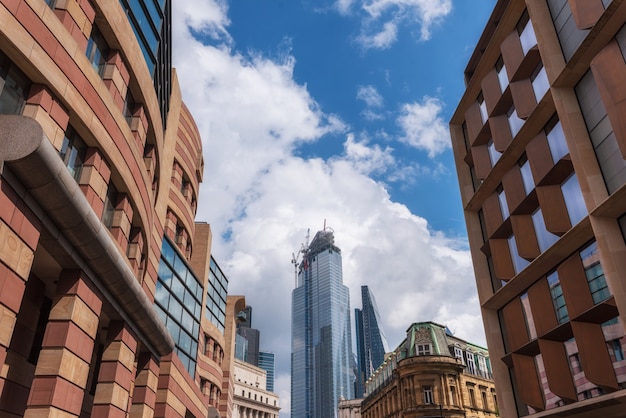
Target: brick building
[
  {"x": 540, "y": 153},
  {"x": 110, "y": 303}
]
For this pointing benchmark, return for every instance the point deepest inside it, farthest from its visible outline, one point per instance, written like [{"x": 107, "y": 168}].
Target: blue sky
[{"x": 336, "y": 112}]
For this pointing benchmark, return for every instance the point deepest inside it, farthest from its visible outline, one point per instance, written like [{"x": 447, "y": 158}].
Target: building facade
[
  {"x": 540, "y": 153},
  {"x": 350, "y": 408},
  {"x": 110, "y": 303},
  {"x": 248, "y": 339},
  {"x": 267, "y": 363},
  {"x": 432, "y": 374},
  {"x": 371, "y": 344},
  {"x": 252, "y": 398},
  {"x": 321, "y": 347}
]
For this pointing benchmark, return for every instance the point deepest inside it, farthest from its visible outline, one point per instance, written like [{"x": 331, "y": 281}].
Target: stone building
[
  {"x": 540, "y": 146},
  {"x": 251, "y": 397},
  {"x": 432, "y": 374}
]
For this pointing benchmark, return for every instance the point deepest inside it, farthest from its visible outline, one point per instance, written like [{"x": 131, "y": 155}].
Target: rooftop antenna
[{"x": 295, "y": 257}]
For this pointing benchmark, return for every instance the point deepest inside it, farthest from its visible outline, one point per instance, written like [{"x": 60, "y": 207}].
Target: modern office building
[
  {"x": 248, "y": 338},
  {"x": 540, "y": 147},
  {"x": 267, "y": 363},
  {"x": 110, "y": 303},
  {"x": 321, "y": 348},
  {"x": 432, "y": 373},
  {"x": 371, "y": 344},
  {"x": 252, "y": 398}
]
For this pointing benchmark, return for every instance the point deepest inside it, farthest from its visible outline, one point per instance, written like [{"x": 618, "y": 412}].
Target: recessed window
[
  {"x": 558, "y": 299},
  {"x": 540, "y": 83},
  {"x": 110, "y": 202},
  {"x": 494, "y": 155},
  {"x": 504, "y": 207},
  {"x": 527, "y": 175},
  {"x": 545, "y": 239},
  {"x": 14, "y": 87},
  {"x": 515, "y": 122},
  {"x": 574, "y": 200},
  {"x": 519, "y": 263},
  {"x": 97, "y": 49},
  {"x": 595, "y": 274},
  {"x": 556, "y": 140},
  {"x": 73, "y": 152},
  {"x": 483, "y": 108},
  {"x": 503, "y": 78},
  {"x": 526, "y": 33},
  {"x": 423, "y": 349},
  {"x": 428, "y": 395},
  {"x": 471, "y": 364}
]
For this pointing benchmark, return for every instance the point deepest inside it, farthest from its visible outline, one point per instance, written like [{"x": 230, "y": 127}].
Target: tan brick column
[
  {"x": 77, "y": 16},
  {"x": 117, "y": 373},
  {"x": 122, "y": 219},
  {"x": 94, "y": 179},
  {"x": 46, "y": 109},
  {"x": 144, "y": 395},
  {"x": 135, "y": 250},
  {"x": 116, "y": 77},
  {"x": 19, "y": 236},
  {"x": 63, "y": 365}
]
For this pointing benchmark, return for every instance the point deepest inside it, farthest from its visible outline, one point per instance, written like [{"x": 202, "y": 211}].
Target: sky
[{"x": 333, "y": 112}]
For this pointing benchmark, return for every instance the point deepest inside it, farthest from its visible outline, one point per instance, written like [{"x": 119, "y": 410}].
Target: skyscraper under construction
[{"x": 321, "y": 370}]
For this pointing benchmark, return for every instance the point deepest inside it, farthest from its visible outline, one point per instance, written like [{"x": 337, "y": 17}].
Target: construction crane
[{"x": 295, "y": 257}]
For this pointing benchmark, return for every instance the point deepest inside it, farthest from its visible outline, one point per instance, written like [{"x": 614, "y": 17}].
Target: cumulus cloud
[
  {"x": 423, "y": 127},
  {"x": 383, "y": 17}
]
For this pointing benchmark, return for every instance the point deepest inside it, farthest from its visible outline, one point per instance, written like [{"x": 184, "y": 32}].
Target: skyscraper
[
  {"x": 249, "y": 337},
  {"x": 540, "y": 146},
  {"x": 321, "y": 370},
  {"x": 266, "y": 362},
  {"x": 371, "y": 343}
]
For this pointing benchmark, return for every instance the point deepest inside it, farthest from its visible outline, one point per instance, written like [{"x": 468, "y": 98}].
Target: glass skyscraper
[
  {"x": 371, "y": 344},
  {"x": 266, "y": 362},
  {"x": 321, "y": 358}
]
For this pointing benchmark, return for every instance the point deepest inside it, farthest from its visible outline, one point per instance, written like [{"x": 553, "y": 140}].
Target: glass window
[
  {"x": 110, "y": 202},
  {"x": 471, "y": 365},
  {"x": 574, "y": 201},
  {"x": 618, "y": 353},
  {"x": 527, "y": 175},
  {"x": 458, "y": 353},
  {"x": 528, "y": 316},
  {"x": 129, "y": 106},
  {"x": 494, "y": 155},
  {"x": 14, "y": 87},
  {"x": 483, "y": 108},
  {"x": 504, "y": 207},
  {"x": 423, "y": 349},
  {"x": 540, "y": 82},
  {"x": 526, "y": 33},
  {"x": 515, "y": 123},
  {"x": 519, "y": 263},
  {"x": 557, "y": 298},
  {"x": 503, "y": 78},
  {"x": 97, "y": 49},
  {"x": 72, "y": 153},
  {"x": 595, "y": 274},
  {"x": 428, "y": 395},
  {"x": 545, "y": 239},
  {"x": 556, "y": 141},
  {"x": 216, "y": 296},
  {"x": 175, "y": 299}
]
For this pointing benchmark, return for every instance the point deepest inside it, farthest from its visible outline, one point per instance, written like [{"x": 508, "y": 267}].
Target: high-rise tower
[
  {"x": 371, "y": 343},
  {"x": 321, "y": 371}
]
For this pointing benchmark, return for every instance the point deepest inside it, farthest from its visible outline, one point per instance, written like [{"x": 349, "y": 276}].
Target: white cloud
[
  {"x": 423, "y": 126},
  {"x": 382, "y": 38},
  {"x": 344, "y": 6},
  {"x": 383, "y": 17},
  {"x": 370, "y": 96},
  {"x": 367, "y": 159},
  {"x": 260, "y": 198}
]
